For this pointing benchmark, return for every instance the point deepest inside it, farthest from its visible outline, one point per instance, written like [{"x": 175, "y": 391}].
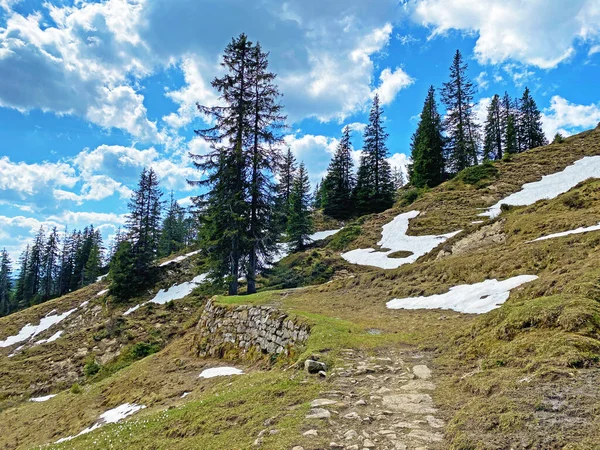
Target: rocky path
[{"x": 377, "y": 402}]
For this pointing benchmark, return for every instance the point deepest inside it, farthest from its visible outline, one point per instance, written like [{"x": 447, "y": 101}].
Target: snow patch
[
  {"x": 283, "y": 249},
  {"x": 579, "y": 230},
  {"x": 179, "y": 258},
  {"x": 220, "y": 372},
  {"x": 42, "y": 399},
  {"x": 16, "y": 350},
  {"x": 52, "y": 338},
  {"x": 322, "y": 235},
  {"x": 101, "y": 277},
  {"x": 29, "y": 331},
  {"x": 550, "y": 186},
  {"x": 185, "y": 394},
  {"x": 173, "y": 293},
  {"x": 476, "y": 298},
  {"x": 111, "y": 416},
  {"x": 394, "y": 238},
  {"x": 102, "y": 292}
]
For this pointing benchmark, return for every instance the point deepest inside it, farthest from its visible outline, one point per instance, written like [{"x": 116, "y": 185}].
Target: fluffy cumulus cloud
[
  {"x": 568, "y": 118},
  {"x": 314, "y": 151},
  {"x": 391, "y": 83},
  {"x": 401, "y": 162},
  {"x": 536, "y": 32}
]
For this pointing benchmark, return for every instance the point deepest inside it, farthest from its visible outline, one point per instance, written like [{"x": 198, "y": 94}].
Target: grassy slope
[{"x": 522, "y": 375}]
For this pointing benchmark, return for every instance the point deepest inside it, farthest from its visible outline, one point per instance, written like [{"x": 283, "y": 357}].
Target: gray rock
[
  {"x": 310, "y": 433},
  {"x": 422, "y": 371},
  {"x": 368, "y": 444},
  {"x": 312, "y": 366},
  {"x": 322, "y": 402},
  {"x": 319, "y": 413}
]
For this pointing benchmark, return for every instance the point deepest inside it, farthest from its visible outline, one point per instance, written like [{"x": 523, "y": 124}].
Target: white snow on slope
[
  {"x": 322, "y": 235},
  {"x": 283, "y": 248},
  {"x": 394, "y": 238},
  {"x": 579, "y": 230},
  {"x": 476, "y": 298},
  {"x": 111, "y": 416},
  {"x": 101, "y": 277},
  {"x": 29, "y": 331},
  {"x": 550, "y": 186},
  {"x": 180, "y": 258},
  {"x": 52, "y": 338},
  {"x": 42, "y": 399},
  {"x": 102, "y": 292},
  {"x": 220, "y": 372},
  {"x": 173, "y": 293}
]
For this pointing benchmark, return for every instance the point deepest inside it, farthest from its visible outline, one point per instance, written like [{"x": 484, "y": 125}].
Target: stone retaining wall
[{"x": 260, "y": 328}]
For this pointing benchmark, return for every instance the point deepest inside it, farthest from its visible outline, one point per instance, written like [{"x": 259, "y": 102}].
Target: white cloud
[
  {"x": 480, "y": 109},
  {"x": 568, "y": 118},
  {"x": 595, "y": 49},
  {"x": 536, "y": 32},
  {"x": 482, "y": 80},
  {"x": 391, "y": 84},
  {"x": 29, "y": 179},
  {"x": 196, "y": 90},
  {"x": 314, "y": 151},
  {"x": 401, "y": 161}
]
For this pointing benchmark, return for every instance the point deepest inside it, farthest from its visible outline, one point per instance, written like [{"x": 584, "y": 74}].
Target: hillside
[{"x": 521, "y": 375}]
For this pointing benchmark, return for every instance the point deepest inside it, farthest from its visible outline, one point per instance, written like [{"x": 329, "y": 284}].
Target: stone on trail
[
  {"x": 410, "y": 403},
  {"x": 312, "y": 366},
  {"x": 309, "y": 433},
  {"x": 319, "y": 413},
  {"x": 418, "y": 385},
  {"x": 422, "y": 371},
  {"x": 322, "y": 402},
  {"x": 426, "y": 436},
  {"x": 368, "y": 444}
]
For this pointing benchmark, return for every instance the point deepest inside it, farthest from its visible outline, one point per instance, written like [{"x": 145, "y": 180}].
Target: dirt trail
[{"x": 379, "y": 402}]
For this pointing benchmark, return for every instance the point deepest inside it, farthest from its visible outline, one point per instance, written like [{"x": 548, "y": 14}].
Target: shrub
[
  {"x": 142, "y": 349},
  {"x": 480, "y": 175},
  {"x": 558, "y": 139},
  {"x": 76, "y": 389},
  {"x": 410, "y": 196},
  {"x": 574, "y": 201},
  {"x": 343, "y": 238},
  {"x": 91, "y": 368}
]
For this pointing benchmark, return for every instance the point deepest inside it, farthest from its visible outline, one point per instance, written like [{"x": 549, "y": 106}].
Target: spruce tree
[
  {"x": 263, "y": 158},
  {"x": 34, "y": 268},
  {"x": 493, "y": 139},
  {"x": 143, "y": 232},
  {"x": 300, "y": 224},
  {"x": 374, "y": 191},
  {"x": 287, "y": 174},
  {"x": 50, "y": 267},
  {"x": 223, "y": 207},
  {"x": 5, "y": 284},
  {"x": 238, "y": 224},
  {"x": 530, "y": 123},
  {"x": 93, "y": 265},
  {"x": 22, "y": 288},
  {"x": 460, "y": 124},
  {"x": 339, "y": 181},
  {"x": 397, "y": 178},
  {"x": 172, "y": 237},
  {"x": 427, "y": 146},
  {"x": 511, "y": 139}
]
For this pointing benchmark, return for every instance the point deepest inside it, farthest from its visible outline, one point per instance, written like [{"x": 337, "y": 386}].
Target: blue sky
[{"x": 93, "y": 91}]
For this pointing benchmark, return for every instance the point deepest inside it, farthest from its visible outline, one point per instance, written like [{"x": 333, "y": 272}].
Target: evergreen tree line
[
  {"x": 343, "y": 193},
  {"x": 151, "y": 231},
  {"x": 443, "y": 146},
  {"x": 49, "y": 267}
]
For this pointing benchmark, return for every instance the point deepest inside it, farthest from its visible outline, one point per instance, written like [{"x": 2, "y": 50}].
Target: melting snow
[
  {"x": 30, "y": 331},
  {"x": 42, "y": 399},
  {"x": 185, "y": 394},
  {"x": 173, "y": 293},
  {"x": 15, "y": 351},
  {"x": 322, "y": 235},
  {"x": 111, "y": 416},
  {"x": 394, "y": 238},
  {"x": 220, "y": 372},
  {"x": 550, "y": 186},
  {"x": 52, "y": 338},
  {"x": 476, "y": 298},
  {"x": 102, "y": 292},
  {"x": 567, "y": 233},
  {"x": 101, "y": 277},
  {"x": 179, "y": 258}
]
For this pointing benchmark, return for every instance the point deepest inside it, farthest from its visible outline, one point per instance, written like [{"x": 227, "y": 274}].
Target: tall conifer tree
[
  {"x": 530, "y": 123},
  {"x": 287, "y": 174},
  {"x": 493, "y": 139},
  {"x": 5, "y": 284},
  {"x": 460, "y": 124},
  {"x": 374, "y": 190},
  {"x": 336, "y": 196},
  {"x": 263, "y": 157},
  {"x": 427, "y": 146},
  {"x": 300, "y": 224}
]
